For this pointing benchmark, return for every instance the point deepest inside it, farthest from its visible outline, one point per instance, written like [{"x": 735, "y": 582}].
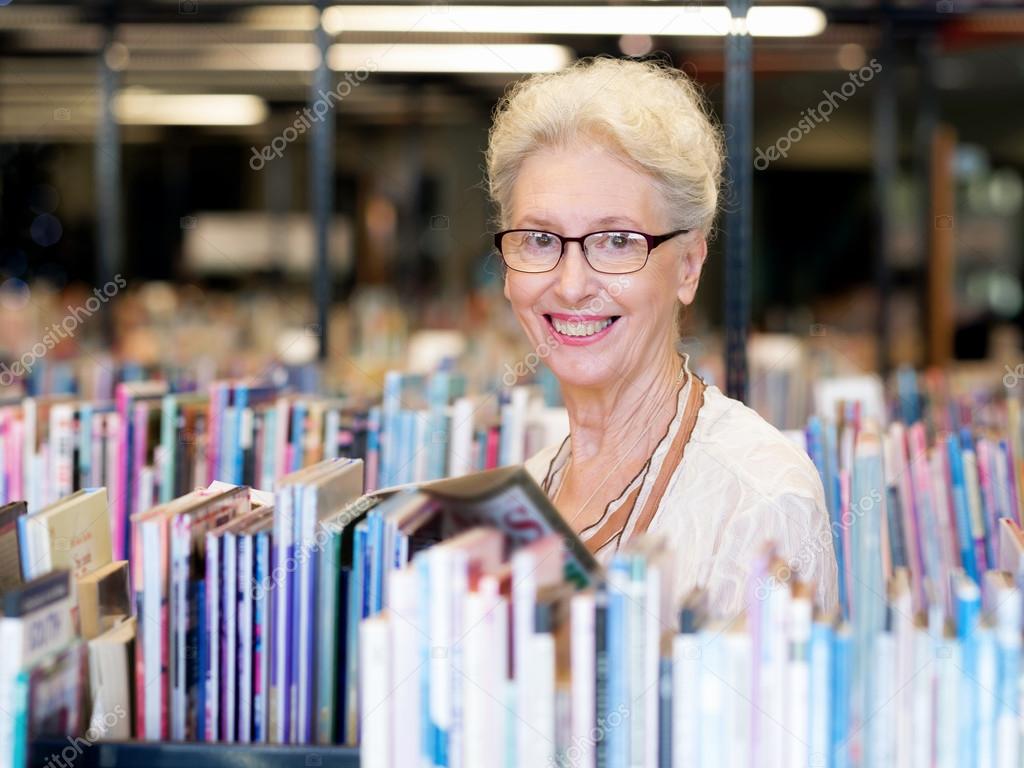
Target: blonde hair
[{"x": 648, "y": 112}]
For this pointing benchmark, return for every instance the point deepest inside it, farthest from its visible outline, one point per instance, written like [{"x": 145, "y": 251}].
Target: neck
[{"x": 632, "y": 413}]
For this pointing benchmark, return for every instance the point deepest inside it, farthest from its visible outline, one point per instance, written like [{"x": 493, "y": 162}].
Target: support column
[{"x": 739, "y": 120}]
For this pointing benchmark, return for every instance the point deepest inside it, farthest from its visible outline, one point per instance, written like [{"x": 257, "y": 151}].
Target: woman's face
[{"x": 621, "y": 325}]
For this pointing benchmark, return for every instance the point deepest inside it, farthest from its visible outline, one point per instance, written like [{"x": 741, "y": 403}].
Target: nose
[{"x": 575, "y": 275}]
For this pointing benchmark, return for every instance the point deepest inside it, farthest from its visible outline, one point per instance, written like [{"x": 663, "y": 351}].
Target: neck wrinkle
[{"x": 604, "y": 424}]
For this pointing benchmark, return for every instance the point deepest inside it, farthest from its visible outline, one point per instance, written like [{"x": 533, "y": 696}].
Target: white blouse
[{"x": 740, "y": 486}]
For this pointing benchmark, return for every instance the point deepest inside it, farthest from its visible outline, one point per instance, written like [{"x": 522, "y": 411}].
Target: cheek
[{"x": 522, "y": 290}]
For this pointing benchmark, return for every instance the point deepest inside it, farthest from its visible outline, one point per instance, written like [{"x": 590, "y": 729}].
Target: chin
[{"x": 589, "y": 373}]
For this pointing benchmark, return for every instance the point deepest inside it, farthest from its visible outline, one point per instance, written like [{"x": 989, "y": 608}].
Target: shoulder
[
  {"x": 538, "y": 464},
  {"x": 731, "y": 437}
]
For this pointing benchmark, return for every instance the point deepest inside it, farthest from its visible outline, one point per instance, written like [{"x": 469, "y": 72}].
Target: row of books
[
  {"x": 484, "y": 652},
  {"x": 151, "y": 445}
]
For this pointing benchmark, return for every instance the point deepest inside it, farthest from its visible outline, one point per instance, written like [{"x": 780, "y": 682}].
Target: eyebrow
[{"x": 605, "y": 221}]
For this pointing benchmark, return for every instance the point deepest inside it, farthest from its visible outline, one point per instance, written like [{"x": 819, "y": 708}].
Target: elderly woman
[{"x": 606, "y": 179}]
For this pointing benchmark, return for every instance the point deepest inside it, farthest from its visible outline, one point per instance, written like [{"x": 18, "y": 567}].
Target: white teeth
[{"x": 580, "y": 328}]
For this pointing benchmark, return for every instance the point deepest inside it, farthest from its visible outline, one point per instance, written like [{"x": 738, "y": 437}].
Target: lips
[{"x": 580, "y": 328}]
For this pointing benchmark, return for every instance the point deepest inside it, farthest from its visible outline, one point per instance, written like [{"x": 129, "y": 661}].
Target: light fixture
[
  {"x": 673, "y": 20},
  {"x": 138, "y": 106},
  {"x": 436, "y": 57}
]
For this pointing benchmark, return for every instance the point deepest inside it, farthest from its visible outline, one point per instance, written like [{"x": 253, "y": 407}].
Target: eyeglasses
[{"x": 612, "y": 253}]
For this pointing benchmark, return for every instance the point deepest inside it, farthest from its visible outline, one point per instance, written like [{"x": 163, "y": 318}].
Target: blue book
[
  {"x": 391, "y": 405},
  {"x": 618, "y": 654},
  {"x": 961, "y": 507},
  {"x": 84, "y": 445},
  {"x": 438, "y": 433},
  {"x": 298, "y": 426},
  {"x": 820, "y": 704},
  {"x": 842, "y": 723},
  {"x": 241, "y": 403},
  {"x": 967, "y": 614},
  {"x": 202, "y": 651}
]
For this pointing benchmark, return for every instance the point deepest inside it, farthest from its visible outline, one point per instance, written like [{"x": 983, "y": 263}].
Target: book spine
[
  {"x": 213, "y": 622},
  {"x": 582, "y": 620},
  {"x": 375, "y": 687},
  {"x": 168, "y": 443},
  {"x": 245, "y": 632},
  {"x": 618, "y": 645}
]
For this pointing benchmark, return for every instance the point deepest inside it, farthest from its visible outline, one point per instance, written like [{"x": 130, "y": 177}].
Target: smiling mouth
[{"x": 580, "y": 328}]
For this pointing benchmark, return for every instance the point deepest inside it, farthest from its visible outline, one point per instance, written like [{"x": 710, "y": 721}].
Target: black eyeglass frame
[{"x": 653, "y": 241}]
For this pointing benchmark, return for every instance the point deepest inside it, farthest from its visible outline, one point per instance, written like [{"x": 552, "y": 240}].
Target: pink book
[
  {"x": 986, "y": 471},
  {"x": 844, "y": 503},
  {"x": 118, "y": 497},
  {"x": 493, "y": 441},
  {"x": 15, "y": 454}
]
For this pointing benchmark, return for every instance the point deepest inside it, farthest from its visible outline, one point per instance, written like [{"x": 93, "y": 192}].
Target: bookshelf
[{"x": 130, "y": 754}]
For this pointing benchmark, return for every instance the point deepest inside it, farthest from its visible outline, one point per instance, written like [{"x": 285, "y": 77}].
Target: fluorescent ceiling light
[
  {"x": 139, "y": 106},
  {"x": 281, "y": 17},
  {"x": 435, "y": 57},
  {"x": 766, "y": 21}
]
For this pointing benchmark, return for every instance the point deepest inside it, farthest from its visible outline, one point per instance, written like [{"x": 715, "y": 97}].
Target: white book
[
  {"x": 374, "y": 689},
  {"x": 988, "y": 686},
  {"x": 476, "y": 656},
  {"x": 737, "y": 656},
  {"x": 947, "y": 721},
  {"x": 713, "y": 746},
  {"x": 652, "y": 619},
  {"x": 540, "y": 717},
  {"x": 152, "y": 627},
  {"x": 283, "y": 529},
  {"x": 404, "y": 633},
  {"x": 533, "y": 566},
  {"x": 880, "y": 729},
  {"x": 583, "y": 660},
  {"x": 110, "y": 681},
  {"x": 798, "y": 682},
  {"x": 62, "y": 450},
  {"x": 686, "y": 707},
  {"x": 460, "y": 447}
]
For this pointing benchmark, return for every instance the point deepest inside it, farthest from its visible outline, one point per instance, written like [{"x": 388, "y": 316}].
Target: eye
[{"x": 540, "y": 240}]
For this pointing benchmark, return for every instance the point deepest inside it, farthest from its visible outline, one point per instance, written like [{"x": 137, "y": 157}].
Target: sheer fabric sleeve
[{"x": 798, "y": 527}]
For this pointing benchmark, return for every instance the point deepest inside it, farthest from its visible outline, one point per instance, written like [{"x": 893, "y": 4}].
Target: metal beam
[
  {"x": 107, "y": 159},
  {"x": 739, "y": 121},
  {"x": 886, "y": 166},
  {"x": 321, "y": 176}
]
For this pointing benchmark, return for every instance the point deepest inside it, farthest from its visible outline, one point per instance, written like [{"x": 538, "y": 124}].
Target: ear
[{"x": 694, "y": 254}]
